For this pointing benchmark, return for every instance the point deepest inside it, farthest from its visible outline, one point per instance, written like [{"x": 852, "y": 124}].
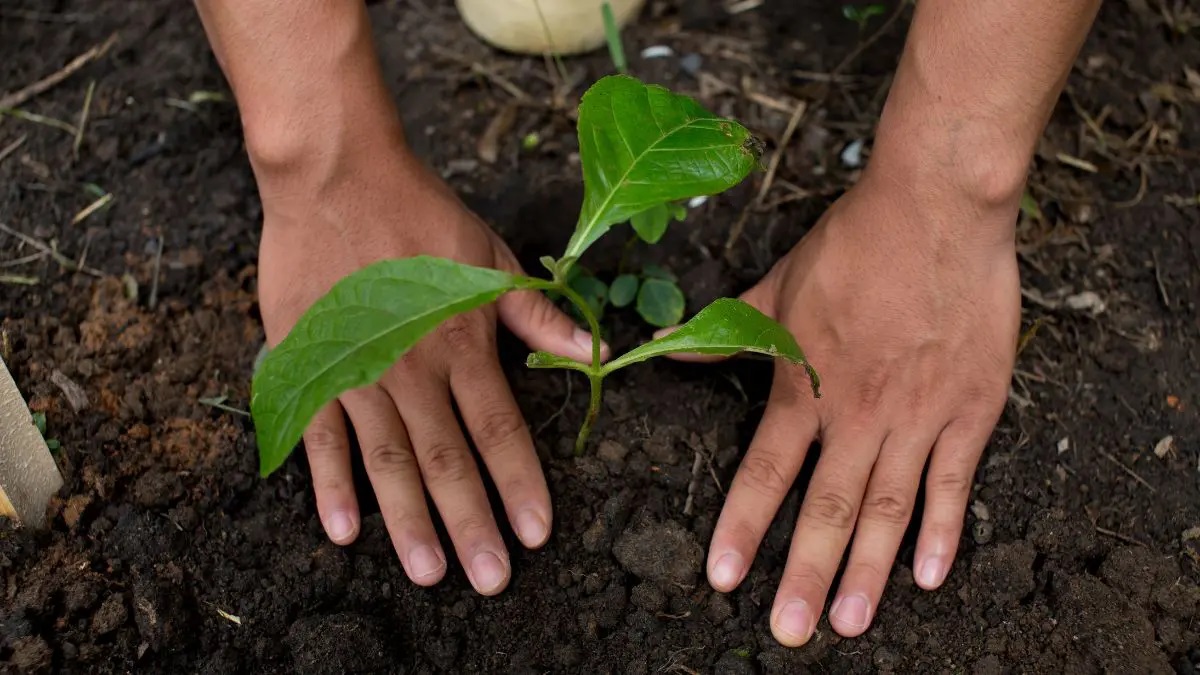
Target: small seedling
[
  {"x": 612, "y": 35},
  {"x": 39, "y": 421},
  {"x": 641, "y": 148},
  {"x": 861, "y": 16}
]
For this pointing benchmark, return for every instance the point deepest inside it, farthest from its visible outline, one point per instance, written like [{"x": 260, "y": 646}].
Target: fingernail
[
  {"x": 531, "y": 528},
  {"x": 488, "y": 572},
  {"x": 795, "y": 621},
  {"x": 727, "y": 571},
  {"x": 852, "y": 610},
  {"x": 340, "y": 527},
  {"x": 424, "y": 562},
  {"x": 583, "y": 340},
  {"x": 663, "y": 332},
  {"x": 931, "y": 573}
]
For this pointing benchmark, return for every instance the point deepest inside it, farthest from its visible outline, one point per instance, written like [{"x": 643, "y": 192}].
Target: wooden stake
[{"x": 28, "y": 475}]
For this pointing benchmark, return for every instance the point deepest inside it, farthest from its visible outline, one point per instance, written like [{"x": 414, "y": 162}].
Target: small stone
[
  {"x": 982, "y": 532},
  {"x": 691, "y": 63},
  {"x": 981, "y": 510}
]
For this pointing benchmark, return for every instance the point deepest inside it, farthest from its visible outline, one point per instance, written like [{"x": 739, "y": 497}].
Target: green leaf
[
  {"x": 653, "y": 271},
  {"x": 353, "y": 334},
  {"x": 660, "y": 302},
  {"x": 623, "y": 290},
  {"x": 594, "y": 292},
  {"x": 641, "y": 145},
  {"x": 651, "y": 224},
  {"x": 39, "y": 421},
  {"x": 678, "y": 211},
  {"x": 724, "y": 328}
]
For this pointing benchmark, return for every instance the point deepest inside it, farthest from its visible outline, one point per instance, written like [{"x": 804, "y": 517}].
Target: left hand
[{"x": 908, "y": 304}]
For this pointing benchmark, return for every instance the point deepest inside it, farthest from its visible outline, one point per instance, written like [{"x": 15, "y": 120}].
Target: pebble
[{"x": 982, "y": 532}]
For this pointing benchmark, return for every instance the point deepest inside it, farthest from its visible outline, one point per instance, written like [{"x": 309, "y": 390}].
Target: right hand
[{"x": 334, "y": 216}]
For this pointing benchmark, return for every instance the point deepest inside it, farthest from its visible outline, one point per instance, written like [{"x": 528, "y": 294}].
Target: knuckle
[
  {"x": 472, "y": 527},
  {"x": 949, "y": 482},
  {"x": 460, "y": 334},
  {"x": 760, "y": 472},
  {"x": 868, "y": 391},
  {"x": 389, "y": 458},
  {"x": 865, "y": 569},
  {"x": 831, "y": 509},
  {"x": 446, "y": 462},
  {"x": 542, "y": 312},
  {"x": 805, "y": 580},
  {"x": 321, "y": 440},
  {"x": 887, "y": 507},
  {"x": 497, "y": 429}
]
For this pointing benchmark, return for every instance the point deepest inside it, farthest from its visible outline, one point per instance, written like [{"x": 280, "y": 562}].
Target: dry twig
[{"x": 43, "y": 85}]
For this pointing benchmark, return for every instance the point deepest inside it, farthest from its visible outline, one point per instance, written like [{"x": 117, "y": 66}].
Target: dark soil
[{"x": 1077, "y": 556}]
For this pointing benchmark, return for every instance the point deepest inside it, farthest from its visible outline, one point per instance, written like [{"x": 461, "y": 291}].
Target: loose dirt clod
[
  {"x": 28, "y": 475},
  {"x": 660, "y": 552}
]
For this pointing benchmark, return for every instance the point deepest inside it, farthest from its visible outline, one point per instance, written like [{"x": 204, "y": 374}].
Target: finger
[
  {"x": 759, "y": 297},
  {"x": 396, "y": 478},
  {"x": 826, "y": 521},
  {"x": 762, "y": 481},
  {"x": 947, "y": 489},
  {"x": 533, "y": 318},
  {"x": 448, "y": 469},
  {"x": 503, "y": 440},
  {"x": 328, "y": 450},
  {"x": 882, "y": 520}
]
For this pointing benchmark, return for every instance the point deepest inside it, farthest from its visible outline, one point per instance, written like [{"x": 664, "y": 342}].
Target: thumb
[
  {"x": 542, "y": 326},
  {"x": 760, "y": 297}
]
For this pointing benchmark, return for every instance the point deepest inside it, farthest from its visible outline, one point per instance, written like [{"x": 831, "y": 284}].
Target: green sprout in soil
[
  {"x": 642, "y": 149},
  {"x": 862, "y": 16},
  {"x": 612, "y": 35},
  {"x": 39, "y": 421}
]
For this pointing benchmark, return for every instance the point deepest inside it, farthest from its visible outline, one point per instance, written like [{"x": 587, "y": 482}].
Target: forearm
[
  {"x": 975, "y": 87},
  {"x": 306, "y": 78}
]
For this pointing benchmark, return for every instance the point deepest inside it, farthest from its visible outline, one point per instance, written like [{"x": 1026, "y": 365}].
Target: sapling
[
  {"x": 642, "y": 148},
  {"x": 861, "y": 16}
]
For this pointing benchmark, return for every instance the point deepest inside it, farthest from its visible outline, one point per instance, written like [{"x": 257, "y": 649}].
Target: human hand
[
  {"x": 338, "y": 214},
  {"x": 907, "y": 302}
]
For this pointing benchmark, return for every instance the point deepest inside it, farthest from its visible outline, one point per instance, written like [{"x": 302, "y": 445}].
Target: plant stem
[
  {"x": 590, "y": 317},
  {"x": 592, "y": 413},
  {"x": 596, "y": 372}
]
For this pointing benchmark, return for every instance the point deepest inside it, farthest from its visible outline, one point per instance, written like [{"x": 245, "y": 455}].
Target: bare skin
[
  {"x": 905, "y": 296},
  {"x": 340, "y": 190},
  {"x": 907, "y": 299}
]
